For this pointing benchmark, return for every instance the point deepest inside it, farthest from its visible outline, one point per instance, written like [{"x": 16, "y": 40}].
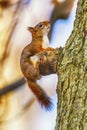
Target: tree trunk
[{"x": 72, "y": 76}]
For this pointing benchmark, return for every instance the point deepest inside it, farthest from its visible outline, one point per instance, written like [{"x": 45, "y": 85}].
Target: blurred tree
[
  {"x": 7, "y": 28},
  {"x": 61, "y": 11}
]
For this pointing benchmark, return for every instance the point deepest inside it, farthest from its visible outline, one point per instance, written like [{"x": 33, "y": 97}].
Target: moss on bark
[{"x": 72, "y": 76}]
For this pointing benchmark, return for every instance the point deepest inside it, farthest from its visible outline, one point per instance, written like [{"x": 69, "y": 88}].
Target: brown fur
[{"x": 30, "y": 67}]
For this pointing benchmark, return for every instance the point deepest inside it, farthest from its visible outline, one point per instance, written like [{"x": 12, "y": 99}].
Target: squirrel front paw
[{"x": 50, "y": 49}]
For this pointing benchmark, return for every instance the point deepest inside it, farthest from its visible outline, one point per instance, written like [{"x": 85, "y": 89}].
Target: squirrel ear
[{"x": 30, "y": 29}]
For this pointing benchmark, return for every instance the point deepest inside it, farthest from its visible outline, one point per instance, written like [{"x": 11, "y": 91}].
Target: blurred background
[{"x": 19, "y": 109}]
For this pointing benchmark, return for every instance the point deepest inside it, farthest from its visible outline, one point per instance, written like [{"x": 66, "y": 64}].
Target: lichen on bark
[{"x": 72, "y": 76}]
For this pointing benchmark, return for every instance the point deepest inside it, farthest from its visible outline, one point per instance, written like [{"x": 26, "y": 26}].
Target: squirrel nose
[{"x": 28, "y": 28}]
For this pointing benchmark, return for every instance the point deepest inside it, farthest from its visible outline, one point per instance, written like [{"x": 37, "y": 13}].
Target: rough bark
[{"x": 72, "y": 76}]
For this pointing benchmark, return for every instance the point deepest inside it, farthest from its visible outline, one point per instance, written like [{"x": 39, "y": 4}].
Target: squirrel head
[{"x": 40, "y": 29}]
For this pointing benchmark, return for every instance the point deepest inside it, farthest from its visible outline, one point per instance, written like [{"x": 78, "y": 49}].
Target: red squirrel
[{"x": 30, "y": 58}]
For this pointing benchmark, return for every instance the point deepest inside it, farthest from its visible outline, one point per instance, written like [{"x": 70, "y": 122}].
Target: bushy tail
[{"x": 41, "y": 96}]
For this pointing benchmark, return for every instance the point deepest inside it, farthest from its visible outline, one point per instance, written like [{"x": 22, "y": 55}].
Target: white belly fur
[
  {"x": 34, "y": 59},
  {"x": 45, "y": 41}
]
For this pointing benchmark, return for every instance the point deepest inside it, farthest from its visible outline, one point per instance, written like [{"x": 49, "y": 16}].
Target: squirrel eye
[{"x": 40, "y": 25}]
